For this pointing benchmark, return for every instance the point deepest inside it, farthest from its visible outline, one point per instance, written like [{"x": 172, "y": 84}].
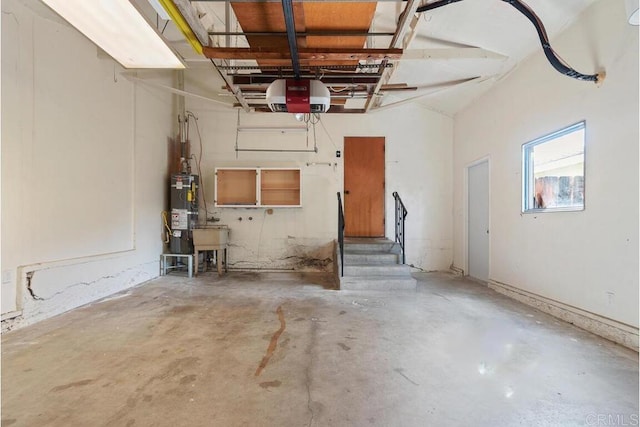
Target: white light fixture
[
  {"x": 119, "y": 29},
  {"x": 633, "y": 12}
]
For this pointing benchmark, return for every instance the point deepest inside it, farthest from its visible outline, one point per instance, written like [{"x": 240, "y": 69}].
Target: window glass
[{"x": 553, "y": 171}]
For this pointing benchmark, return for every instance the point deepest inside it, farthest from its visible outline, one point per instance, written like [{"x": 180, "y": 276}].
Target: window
[{"x": 553, "y": 171}]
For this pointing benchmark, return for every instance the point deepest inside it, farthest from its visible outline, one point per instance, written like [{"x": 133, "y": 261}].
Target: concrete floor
[{"x": 275, "y": 349}]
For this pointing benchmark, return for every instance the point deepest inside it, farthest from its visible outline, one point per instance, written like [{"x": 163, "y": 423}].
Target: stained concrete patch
[
  {"x": 187, "y": 379},
  {"x": 268, "y": 384},
  {"x": 414, "y": 354},
  {"x": 183, "y": 309},
  {"x": 273, "y": 343},
  {"x": 71, "y": 385}
]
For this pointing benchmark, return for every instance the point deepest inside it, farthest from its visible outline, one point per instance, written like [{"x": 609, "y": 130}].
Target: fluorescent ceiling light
[{"x": 119, "y": 29}]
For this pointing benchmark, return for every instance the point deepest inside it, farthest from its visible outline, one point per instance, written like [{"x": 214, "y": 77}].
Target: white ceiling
[
  {"x": 493, "y": 25},
  {"x": 444, "y": 85}
]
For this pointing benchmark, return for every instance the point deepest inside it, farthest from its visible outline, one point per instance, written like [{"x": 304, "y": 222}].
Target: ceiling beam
[
  {"x": 334, "y": 109},
  {"x": 190, "y": 15},
  {"x": 451, "y": 53},
  {"x": 436, "y": 88},
  {"x": 229, "y": 82},
  {"x": 310, "y": 54},
  {"x": 328, "y": 33},
  {"x": 297, "y": 1},
  {"x": 327, "y": 79},
  {"x": 405, "y": 32}
]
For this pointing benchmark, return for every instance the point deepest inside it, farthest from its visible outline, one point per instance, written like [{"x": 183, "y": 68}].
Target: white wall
[
  {"x": 418, "y": 167},
  {"x": 589, "y": 259},
  {"x": 84, "y": 155}
]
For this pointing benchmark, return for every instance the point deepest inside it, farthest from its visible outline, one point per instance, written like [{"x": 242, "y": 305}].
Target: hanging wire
[
  {"x": 198, "y": 165},
  {"x": 166, "y": 225},
  {"x": 315, "y": 140},
  {"x": 237, "y": 126}
]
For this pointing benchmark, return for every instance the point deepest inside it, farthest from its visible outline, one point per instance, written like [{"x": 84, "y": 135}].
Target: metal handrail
[
  {"x": 401, "y": 214},
  {"x": 341, "y": 234}
]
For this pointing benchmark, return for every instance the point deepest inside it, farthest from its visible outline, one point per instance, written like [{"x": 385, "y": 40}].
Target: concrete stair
[{"x": 373, "y": 264}]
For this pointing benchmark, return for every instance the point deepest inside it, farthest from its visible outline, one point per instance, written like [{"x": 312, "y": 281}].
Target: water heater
[{"x": 184, "y": 212}]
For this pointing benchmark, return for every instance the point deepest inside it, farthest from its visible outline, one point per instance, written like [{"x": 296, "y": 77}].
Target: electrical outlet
[
  {"x": 338, "y": 153},
  {"x": 6, "y": 276}
]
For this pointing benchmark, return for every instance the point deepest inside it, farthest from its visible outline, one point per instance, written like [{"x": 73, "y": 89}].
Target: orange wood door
[{"x": 364, "y": 186}]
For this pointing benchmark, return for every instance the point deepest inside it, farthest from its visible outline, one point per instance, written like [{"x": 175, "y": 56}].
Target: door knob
[{"x": 346, "y": 191}]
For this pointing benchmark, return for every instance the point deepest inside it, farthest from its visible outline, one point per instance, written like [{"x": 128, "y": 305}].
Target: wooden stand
[{"x": 217, "y": 249}]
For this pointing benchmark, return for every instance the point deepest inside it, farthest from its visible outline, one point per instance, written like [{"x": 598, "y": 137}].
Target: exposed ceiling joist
[
  {"x": 297, "y": 1},
  {"x": 310, "y": 54},
  {"x": 436, "y": 88},
  {"x": 190, "y": 15},
  {"x": 327, "y": 79},
  {"x": 229, "y": 82},
  {"x": 328, "y": 33},
  {"x": 335, "y": 109},
  {"x": 404, "y": 34},
  {"x": 451, "y": 53},
  {"x": 448, "y": 47}
]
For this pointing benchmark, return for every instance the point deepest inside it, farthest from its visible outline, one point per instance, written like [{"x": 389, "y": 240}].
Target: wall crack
[
  {"x": 29, "y": 277},
  {"x": 33, "y": 295}
]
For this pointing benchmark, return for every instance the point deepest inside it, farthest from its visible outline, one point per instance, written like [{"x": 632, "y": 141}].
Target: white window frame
[{"x": 528, "y": 177}]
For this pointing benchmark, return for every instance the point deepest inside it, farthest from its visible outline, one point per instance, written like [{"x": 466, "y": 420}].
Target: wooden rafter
[
  {"x": 405, "y": 32},
  {"x": 309, "y": 54}
]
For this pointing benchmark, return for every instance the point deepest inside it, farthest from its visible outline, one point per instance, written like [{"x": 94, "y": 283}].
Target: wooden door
[{"x": 364, "y": 186}]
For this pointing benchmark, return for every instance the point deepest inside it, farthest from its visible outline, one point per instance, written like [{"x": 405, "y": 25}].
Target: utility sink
[
  {"x": 214, "y": 235},
  {"x": 211, "y": 238}
]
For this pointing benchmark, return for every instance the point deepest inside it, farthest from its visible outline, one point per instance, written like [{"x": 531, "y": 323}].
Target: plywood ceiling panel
[
  {"x": 310, "y": 16},
  {"x": 268, "y": 17},
  {"x": 334, "y": 16}
]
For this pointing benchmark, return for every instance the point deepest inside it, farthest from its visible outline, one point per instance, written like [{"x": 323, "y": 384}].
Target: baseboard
[
  {"x": 607, "y": 328},
  {"x": 11, "y": 315}
]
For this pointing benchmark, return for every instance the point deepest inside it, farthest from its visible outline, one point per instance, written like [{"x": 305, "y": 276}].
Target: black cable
[
  {"x": 553, "y": 59},
  {"x": 551, "y": 55},
  {"x": 435, "y": 5}
]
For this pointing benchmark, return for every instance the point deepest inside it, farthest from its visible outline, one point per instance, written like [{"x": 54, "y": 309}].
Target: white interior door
[{"x": 478, "y": 217}]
